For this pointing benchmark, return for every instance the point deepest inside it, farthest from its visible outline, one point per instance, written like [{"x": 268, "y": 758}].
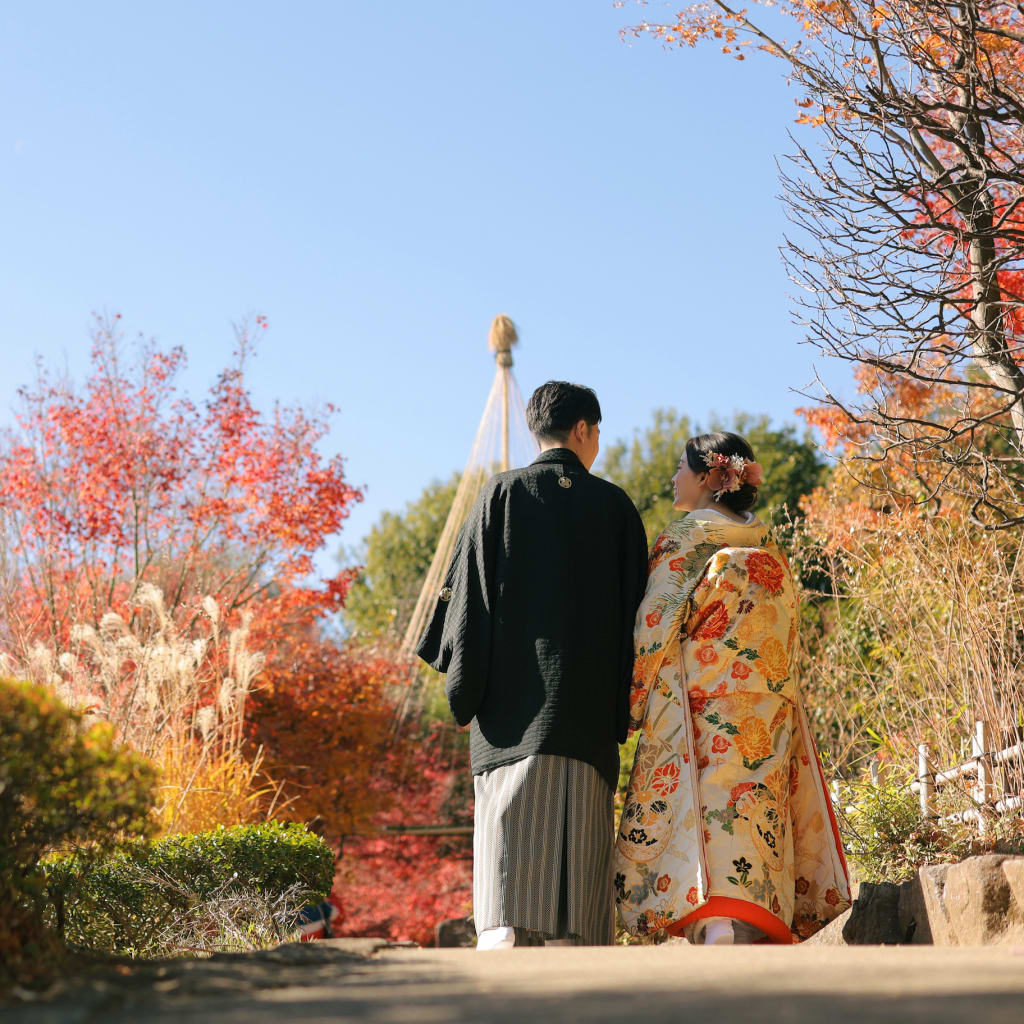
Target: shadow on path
[{"x": 331, "y": 983}]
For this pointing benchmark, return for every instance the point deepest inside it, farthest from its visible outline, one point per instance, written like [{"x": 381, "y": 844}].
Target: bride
[{"x": 727, "y": 834}]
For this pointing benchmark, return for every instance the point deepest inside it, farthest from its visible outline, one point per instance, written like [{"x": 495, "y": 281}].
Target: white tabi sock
[
  {"x": 719, "y": 932},
  {"x": 496, "y": 938}
]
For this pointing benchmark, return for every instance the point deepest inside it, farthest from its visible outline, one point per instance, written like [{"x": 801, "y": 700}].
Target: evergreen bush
[
  {"x": 189, "y": 892},
  {"x": 62, "y": 782}
]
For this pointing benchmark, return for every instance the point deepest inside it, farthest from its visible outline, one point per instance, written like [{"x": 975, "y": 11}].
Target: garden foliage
[
  {"x": 401, "y": 886},
  {"x": 888, "y": 839},
  {"x": 324, "y": 724},
  {"x": 62, "y": 782},
  {"x": 149, "y": 899},
  {"x": 125, "y": 480}
]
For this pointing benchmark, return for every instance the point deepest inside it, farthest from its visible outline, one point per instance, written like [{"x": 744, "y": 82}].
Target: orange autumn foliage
[
  {"x": 124, "y": 480},
  {"x": 323, "y": 719},
  {"x": 910, "y": 200}
]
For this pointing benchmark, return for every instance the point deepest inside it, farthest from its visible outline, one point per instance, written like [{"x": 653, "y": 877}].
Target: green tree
[
  {"x": 399, "y": 550},
  {"x": 401, "y": 544},
  {"x": 644, "y": 466}
]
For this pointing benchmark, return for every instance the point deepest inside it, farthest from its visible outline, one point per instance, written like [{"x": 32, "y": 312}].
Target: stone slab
[{"x": 982, "y": 901}]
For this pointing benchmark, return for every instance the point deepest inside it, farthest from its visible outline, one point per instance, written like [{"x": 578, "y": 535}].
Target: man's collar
[{"x": 560, "y": 455}]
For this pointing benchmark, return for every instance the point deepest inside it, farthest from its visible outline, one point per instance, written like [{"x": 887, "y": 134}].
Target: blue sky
[{"x": 379, "y": 179}]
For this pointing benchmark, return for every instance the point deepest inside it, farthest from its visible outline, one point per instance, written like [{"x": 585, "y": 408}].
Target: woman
[{"x": 727, "y": 834}]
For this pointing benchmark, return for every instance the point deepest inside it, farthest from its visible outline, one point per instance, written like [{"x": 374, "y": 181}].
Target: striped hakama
[{"x": 542, "y": 850}]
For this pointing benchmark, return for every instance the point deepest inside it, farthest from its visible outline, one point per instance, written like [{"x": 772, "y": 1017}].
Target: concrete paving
[{"x": 340, "y": 981}]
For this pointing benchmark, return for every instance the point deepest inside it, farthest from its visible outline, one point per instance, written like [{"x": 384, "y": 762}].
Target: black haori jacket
[{"x": 534, "y": 622}]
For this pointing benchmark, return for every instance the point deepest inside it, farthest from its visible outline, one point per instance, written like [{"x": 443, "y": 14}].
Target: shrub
[
  {"x": 888, "y": 839},
  {"x": 324, "y": 722},
  {"x": 202, "y": 891},
  {"x": 61, "y": 782},
  {"x": 886, "y": 836}
]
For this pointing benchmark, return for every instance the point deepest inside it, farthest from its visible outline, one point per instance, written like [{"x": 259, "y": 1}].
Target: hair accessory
[{"x": 730, "y": 472}]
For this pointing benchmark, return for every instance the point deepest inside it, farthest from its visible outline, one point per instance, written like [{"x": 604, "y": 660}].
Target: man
[{"x": 534, "y": 628}]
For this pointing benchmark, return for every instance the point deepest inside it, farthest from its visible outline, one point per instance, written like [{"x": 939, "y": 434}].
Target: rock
[
  {"x": 931, "y": 882},
  {"x": 832, "y": 933},
  {"x": 1013, "y": 870},
  {"x": 874, "y": 917},
  {"x": 978, "y": 902},
  {"x": 922, "y": 910},
  {"x": 984, "y": 901},
  {"x": 456, "y": 932}
]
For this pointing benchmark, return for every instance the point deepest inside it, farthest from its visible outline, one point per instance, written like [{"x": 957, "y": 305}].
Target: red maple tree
[
  {"x": 323, "y": 719},
  {"x": 125, "y": 480},
  {"x": 909, "y": 251}
]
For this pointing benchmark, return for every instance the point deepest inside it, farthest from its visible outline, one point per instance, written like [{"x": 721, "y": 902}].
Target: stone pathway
[{"x": 362, "y": 980}]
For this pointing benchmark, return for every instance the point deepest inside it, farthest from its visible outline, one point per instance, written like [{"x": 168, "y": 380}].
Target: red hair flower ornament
[{"x": 730, "y": 472}]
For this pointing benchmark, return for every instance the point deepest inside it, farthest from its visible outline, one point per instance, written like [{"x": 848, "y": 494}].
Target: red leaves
[
  {"x": 123, "y": 480},
  {"x": 401, "y": 886}
]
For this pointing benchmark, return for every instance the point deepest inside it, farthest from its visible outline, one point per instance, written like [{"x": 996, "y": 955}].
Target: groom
[{"x": 534, "y": 628}]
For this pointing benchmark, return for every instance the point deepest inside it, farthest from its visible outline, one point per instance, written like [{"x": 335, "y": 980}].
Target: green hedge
[
  {"x": 147, "y": 898},
  {"x": 61, "y": 783}
]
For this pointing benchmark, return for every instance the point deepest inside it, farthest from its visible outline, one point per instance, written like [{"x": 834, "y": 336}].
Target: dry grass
[
  {"x": 202, "y": 787},
  {"x": 178, "y": 698},
  {"x": 233, "y": 921},
  {"x": 916, "y": 632}
]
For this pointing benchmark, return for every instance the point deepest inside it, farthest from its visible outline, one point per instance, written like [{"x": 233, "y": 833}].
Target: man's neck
[{"x": 546, "y": 446}]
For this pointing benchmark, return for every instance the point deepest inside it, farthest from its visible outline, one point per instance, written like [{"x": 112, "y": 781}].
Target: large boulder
[
  {"x": 872, "y": 920},
  {"x": 875, "y": 916}
]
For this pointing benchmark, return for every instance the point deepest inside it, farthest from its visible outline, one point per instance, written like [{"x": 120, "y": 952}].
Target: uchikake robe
[{"x": 727, "y": 814}]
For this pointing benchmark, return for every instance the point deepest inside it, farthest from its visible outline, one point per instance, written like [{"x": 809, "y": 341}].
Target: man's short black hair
[{"x": 556, "y": 407}]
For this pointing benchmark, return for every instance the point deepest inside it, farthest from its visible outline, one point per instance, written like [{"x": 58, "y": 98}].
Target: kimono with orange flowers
[{"x": 726, "y": 814}]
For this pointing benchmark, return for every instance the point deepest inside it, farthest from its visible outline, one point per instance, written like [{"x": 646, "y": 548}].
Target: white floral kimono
[{"x": 727, "y": 814}]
